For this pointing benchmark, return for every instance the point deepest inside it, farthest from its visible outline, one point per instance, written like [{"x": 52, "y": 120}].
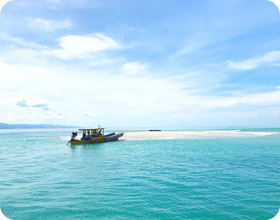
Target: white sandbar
[{"x": 165, "y": 135}]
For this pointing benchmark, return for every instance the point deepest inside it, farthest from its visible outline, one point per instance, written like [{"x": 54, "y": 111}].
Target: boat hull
[{"x": 95, "y": 140}]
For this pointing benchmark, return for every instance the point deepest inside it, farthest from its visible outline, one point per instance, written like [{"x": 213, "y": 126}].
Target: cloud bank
[
  {"x": 78, "y": 47},
  {"x": 49, "y": 25},
  {"x": 34, "y": 102},
  {"x": 269, "y": 58}
]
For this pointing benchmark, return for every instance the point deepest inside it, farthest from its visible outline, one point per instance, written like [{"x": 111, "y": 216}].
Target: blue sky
[{"x": 140, "y": 64}]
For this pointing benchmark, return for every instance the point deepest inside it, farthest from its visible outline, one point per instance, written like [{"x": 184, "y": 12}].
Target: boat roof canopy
[{"x": 90, "y": 129}]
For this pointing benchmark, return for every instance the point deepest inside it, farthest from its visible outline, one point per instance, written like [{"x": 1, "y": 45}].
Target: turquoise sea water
[{"x": 216, "y": 178}]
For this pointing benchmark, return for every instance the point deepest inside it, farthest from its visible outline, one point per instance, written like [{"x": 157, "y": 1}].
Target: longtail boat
[{"x": 93, "y": 135}]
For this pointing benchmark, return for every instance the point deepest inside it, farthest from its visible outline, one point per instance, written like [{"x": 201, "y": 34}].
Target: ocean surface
[{"x": 210, "y": 177}]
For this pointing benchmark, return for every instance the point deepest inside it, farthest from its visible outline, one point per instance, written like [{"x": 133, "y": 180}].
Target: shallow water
[{"x": 215, "y": 178}]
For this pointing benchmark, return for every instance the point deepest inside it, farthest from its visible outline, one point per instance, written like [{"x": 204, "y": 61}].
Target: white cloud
[
  {"x": 12, "y": 42},
  {"x": 118, "y": 93},
  {"x": 120, "y": 97},
  {"x": 75, "y": 46},
  {"x": 49, "y": 25},
  {"x": 2, "y": 3},
  {"x": 268, "y": 98},
  {"x": 213, "y": 102},
  {"x": 253, "y": 63},
  {"x": 90, "y": 48},
  {"x": 34, "y": 102},
  {"x": 134, "y": 68}
]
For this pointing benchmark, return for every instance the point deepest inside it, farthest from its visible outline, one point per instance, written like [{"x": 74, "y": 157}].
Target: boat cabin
[{"x": 92, "y": 132}]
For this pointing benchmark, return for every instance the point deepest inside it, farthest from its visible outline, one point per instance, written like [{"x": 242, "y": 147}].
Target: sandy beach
[{"x": 165, "y": 135}]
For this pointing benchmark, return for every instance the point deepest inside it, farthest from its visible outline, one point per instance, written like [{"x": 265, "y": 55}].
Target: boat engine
[{"x": 74, "y": 135}]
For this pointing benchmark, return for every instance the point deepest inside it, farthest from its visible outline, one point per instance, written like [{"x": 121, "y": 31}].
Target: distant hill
[{"x": 30, "y": 126}]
